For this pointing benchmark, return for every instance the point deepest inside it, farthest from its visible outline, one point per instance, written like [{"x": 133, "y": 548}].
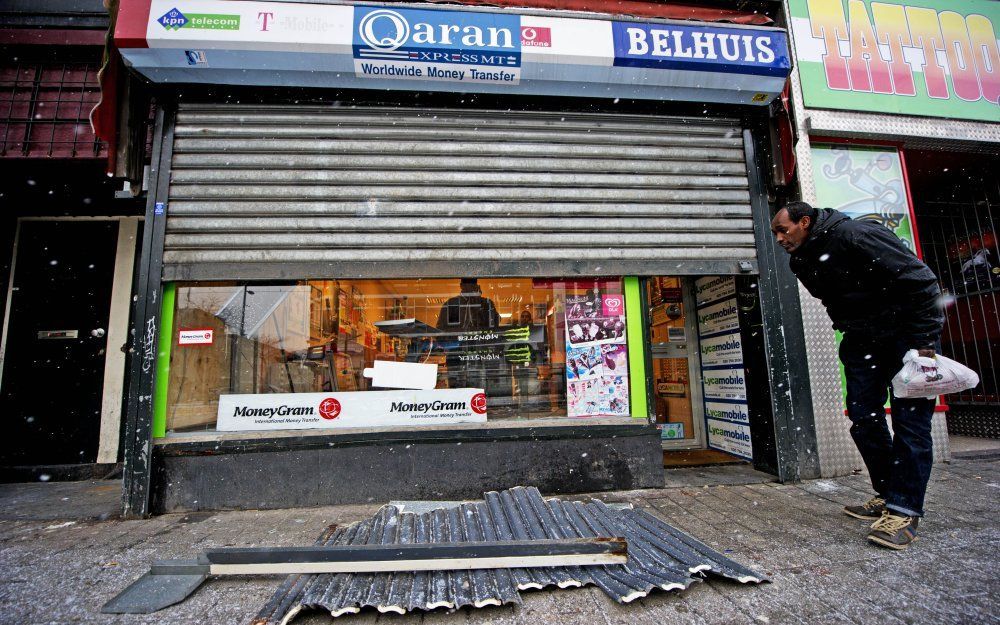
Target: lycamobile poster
[
  {"x": 937, "y": 58},
  {"x": 723, "y": 379}
]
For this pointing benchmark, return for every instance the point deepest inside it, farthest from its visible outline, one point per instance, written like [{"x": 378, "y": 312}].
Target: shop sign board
[
  {"x": 723, "y": 378},
  {"x": 725, "y": 383},
  {"x": 704, "y": 47},
  {"x": 724, "y": 349},
  {"x": 713, "y": 289},
  {"x": 453, "y": 46},
  {"x": 373, "y": 46},
  {"x": 358, "y": 409},
  {"x": 718, "y": 317},
  {"x": 671, "y": 389},
  {"x": 734, "y": 412},
  {"x": 730, "y": 437},
  {"x": 936, "y": 58}
]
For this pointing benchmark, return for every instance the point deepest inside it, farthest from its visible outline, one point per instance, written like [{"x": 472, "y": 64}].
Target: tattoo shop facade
[
  {"x": 434, "y": 252},
  {"x": 898, "y": 121}
]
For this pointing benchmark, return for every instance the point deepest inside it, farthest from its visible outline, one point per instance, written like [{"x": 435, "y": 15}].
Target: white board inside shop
[{"x": 360, "y": 409}]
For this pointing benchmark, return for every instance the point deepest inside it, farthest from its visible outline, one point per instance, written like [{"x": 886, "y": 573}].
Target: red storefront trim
[
  {"x": 635, "y": 8},
  {"x": 50, "y": 37},
  {"x": 130, "y": 24}
]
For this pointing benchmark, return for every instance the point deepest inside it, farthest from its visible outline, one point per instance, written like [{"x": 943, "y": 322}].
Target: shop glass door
[{"x": 673, "y": 344}]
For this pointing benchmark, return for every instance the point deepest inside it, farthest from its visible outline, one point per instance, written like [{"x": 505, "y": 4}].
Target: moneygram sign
[
  {"x": 452, "y": 46},
  {"x": 301, "y": 411},
  {"x": 175, "y": 20}
]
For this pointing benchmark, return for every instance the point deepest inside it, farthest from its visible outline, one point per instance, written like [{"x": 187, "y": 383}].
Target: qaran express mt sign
[
  {"x": 916, "y": 57},
  {"x": 438, "y": 45}
]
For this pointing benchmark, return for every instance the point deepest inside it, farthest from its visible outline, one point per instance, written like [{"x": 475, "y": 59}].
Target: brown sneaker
[
  {"x": 868, "y": 511},
  {"x": 894, "y": 531}
]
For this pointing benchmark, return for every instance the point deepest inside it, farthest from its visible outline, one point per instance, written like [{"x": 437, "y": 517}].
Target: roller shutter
[{"x": 309, "y": 192}]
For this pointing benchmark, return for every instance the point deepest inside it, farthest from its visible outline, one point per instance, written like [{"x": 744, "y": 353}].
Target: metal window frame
[
  {"x": 139, "y": 420},
  {"x": 794, "y": 425},
  {"x": 82, "y": 146}
]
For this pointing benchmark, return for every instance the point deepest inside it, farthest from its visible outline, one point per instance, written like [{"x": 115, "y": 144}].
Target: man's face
[{"x": 790, "y": 235}]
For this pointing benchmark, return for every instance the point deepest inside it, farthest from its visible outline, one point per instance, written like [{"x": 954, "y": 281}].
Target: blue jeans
[{"x": 899, "y": 463}]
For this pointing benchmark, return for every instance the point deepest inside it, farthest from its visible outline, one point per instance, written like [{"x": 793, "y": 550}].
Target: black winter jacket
[{"x": 868, "y": 280}]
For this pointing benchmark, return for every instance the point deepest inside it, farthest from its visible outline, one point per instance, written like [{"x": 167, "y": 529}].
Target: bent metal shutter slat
[{"x": 283, "y": 192}]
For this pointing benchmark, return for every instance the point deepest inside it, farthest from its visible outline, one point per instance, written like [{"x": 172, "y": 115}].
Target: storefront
[
  {"x": 499, "y": 248},
  {"x": 897, "y": 106},
  {"x": 64, "y": 307}
]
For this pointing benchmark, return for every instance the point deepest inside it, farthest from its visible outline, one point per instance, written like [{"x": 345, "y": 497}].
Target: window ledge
[{"x": 224, "y": 442}]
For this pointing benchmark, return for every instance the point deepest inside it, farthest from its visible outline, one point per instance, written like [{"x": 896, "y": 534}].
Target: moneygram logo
[
  {"x": 478, "y": 403},
  {"x": 329, "y": 409},
  {"x": 536, "y": 37},
  {"x": 175, "y": 20}
]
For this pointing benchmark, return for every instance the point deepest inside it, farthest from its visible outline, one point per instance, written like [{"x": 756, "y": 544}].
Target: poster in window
[
  {"x": 615, "y": 359},
  {"x": 594, "y": 319},
  {"x": 616, "y": 395},
  {"x": 584, "y": 397},
  {"x": 584, "y": 363}
]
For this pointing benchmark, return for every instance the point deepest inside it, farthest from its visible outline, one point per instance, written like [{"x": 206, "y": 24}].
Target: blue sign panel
[
  {"x": 701, "y": 48},
  {"x": 437, "y": 45}
]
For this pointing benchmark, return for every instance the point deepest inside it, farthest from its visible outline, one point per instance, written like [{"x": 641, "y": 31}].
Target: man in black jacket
[{"x": 886, "y": 302}]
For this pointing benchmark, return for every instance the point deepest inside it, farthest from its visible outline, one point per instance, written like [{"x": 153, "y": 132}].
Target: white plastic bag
[{"x": 930, "y": 377}]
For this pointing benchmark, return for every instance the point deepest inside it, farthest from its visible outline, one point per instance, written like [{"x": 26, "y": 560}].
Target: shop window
[{"x": 538, "y": 348}]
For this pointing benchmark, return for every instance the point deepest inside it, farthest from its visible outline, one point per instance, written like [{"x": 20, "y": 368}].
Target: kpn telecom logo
[{"x": 175, "y": 20}]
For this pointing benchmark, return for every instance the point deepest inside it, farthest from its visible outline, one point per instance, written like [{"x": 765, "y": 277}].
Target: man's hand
[{"x": 927, "y": 352}]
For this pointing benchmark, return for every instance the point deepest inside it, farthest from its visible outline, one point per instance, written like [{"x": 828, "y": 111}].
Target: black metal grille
[
  {"x": 959, "y": 234},
  {"x": 45, "y": 108}
]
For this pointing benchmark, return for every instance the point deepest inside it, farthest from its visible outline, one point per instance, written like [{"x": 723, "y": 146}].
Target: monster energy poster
[
  {"x": 596, "y": 355},
  {"x": 864, "y": 183},
  {"x": 514, "y": 345}
]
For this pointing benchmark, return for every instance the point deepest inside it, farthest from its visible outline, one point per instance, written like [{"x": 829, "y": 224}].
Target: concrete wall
[{"x": 330, "y": 470}]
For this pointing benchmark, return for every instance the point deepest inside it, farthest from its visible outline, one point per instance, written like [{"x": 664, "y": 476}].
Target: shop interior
[
  {"x": 956, "y": 202},
  {"x": 672, "y": 367},
  {"x": 540, "y": 348}
]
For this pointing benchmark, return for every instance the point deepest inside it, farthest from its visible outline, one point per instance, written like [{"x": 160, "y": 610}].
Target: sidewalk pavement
[{"x": 63, "y": 553}]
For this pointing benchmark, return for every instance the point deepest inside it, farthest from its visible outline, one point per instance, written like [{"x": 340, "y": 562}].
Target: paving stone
[{"x": 60, "y": 559}]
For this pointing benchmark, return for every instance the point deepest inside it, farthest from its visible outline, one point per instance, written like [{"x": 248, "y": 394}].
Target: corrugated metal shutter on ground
[{"x": 296, "y": 192}]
